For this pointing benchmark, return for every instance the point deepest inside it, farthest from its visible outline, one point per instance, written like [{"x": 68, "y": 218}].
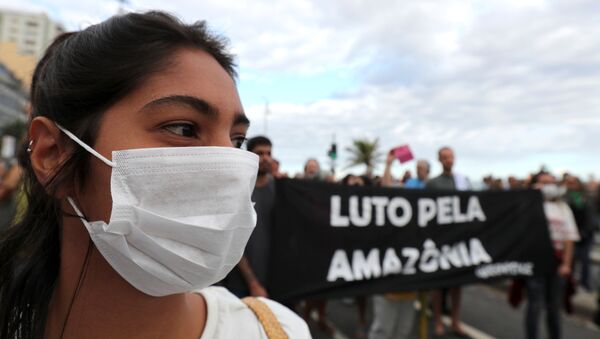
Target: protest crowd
[{"x": 572, "y": 208}]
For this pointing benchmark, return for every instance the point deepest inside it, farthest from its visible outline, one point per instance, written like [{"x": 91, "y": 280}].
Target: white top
[
  {"x": 229, "y": 318},
  {"x": 561, "y": 222}
]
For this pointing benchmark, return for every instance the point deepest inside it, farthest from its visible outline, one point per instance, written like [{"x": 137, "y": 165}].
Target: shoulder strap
[{"x": 268, "y": 320}]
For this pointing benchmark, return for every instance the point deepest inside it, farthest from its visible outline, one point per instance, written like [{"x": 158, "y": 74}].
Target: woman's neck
[{"x": 91, "y": 300}]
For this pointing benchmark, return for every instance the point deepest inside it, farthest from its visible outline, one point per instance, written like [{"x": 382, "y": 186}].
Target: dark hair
[
  {"x": 258, "y": 141},
  {"x": 346, "y": 179},
  {"x": 309, "y": 160},
  {"x": 444, "y": 148},
  {"x": 536, "y": 178},
  {"x": 80, "y": 76},
  {"x": 368, "y": 181},
  {"x": 423, "y": 161}
]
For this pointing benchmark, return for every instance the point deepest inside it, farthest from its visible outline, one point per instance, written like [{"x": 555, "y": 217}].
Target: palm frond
[{"x": 364, "y": 152}]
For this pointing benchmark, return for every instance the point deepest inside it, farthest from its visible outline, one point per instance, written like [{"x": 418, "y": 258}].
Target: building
[
  {"x": 13, "y": 99},
  {"x": 24, "y": 37}
]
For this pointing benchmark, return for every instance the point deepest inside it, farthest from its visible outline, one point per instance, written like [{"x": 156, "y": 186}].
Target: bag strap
[{"x": 268, "y": 320}]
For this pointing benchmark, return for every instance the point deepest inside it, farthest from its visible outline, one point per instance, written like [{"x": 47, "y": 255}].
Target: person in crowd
[
  {"x": 406, "y": 176},
  {"x": 514, "y": 183},
  {"x": 526, "y": 182},
  {"x": 250, "y": 275},
  {"x": 361, "y": 301},
  {"x": 487, "y": 182},
  {"x": 548, "y": 290},
  {"x": 138, "y": 198},
  {"x": 393, "y": 313},
  {"x": 275, "y": 169},
  {"x": 581, "y": 205},
  {"x": 353, "y": 180},
  {"x": 10, "y": 179},
  {"x": 422, "y": 176},
  {"x": 594, "y": 190},
  {"x": 422, "y": 170},
  {"x": 387, "y": 180},
  {"x": 448, "y": 180},
  {"x": 496, "y": 184},
  {"x": 312, "y": 171},
  {"x": 371, "y": 181}
]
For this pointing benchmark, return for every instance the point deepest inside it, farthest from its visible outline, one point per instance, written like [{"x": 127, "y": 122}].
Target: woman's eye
[
  {"x": 238, "y": 142},
  {"x": 182, "y": 129}
]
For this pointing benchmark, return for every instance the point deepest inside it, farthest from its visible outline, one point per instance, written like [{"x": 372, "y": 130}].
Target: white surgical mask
[
  {"x": 552, "y": 191},
  {"x": 181, "y": 216}
]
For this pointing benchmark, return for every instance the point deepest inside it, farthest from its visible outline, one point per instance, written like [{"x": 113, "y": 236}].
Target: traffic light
[{"x": 332, "y": 153}]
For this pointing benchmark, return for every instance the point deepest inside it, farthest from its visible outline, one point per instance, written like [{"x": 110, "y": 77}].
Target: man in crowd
[
  {"x": 514, "y": 183},
  {"x": 312, "y": 171},
  {"x": 422, "y": 176},
  {"x": 581, "y": 204},
  {"x": 250, "y": 275},
  {"x": 449, "y": 181},
  {"x": 276, "y": 173},
  {"x": 394, "y": 313}
]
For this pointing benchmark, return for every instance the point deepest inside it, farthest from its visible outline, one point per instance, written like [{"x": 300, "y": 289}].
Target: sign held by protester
[
  {"x": 403, "y": 153},
  {"x": 333, "y": 241}
]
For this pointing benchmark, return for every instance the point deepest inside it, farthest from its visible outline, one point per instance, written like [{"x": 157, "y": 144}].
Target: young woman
[{"x": 138, "y": 197}]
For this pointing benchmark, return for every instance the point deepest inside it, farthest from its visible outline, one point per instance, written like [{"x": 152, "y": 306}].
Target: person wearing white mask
[
  {"x": 548, "y": 290},
  {"x": 138, "y": 198}
]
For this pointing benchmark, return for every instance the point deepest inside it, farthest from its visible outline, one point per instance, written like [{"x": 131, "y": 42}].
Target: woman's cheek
[{"x": 96, "y": 197}]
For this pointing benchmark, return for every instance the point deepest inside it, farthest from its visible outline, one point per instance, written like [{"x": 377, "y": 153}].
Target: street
[{"x": 485, "y": 313}]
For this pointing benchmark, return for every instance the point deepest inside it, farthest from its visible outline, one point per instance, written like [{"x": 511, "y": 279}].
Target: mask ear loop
[
  {"x": 85, "y": 146},
  {"x": 77, "y": 211}
]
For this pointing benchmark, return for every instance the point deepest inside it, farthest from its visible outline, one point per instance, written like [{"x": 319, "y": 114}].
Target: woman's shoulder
[{"x": 229, "y": 317}]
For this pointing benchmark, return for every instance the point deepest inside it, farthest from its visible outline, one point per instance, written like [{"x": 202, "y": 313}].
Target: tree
[{"x": 364, "y": 152}]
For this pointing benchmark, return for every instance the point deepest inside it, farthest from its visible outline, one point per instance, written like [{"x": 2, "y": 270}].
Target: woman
[{"x": 130, "y": 215}]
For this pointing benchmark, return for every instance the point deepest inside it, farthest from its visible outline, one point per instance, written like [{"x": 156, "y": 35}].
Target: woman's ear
[{"x": 47, "y": 148}]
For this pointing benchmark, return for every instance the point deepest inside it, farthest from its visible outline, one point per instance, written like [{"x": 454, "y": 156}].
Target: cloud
[{"x": 500, "y": 81}]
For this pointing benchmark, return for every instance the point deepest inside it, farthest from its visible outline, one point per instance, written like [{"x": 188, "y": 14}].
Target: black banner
[{"x": 331, "y": 240}]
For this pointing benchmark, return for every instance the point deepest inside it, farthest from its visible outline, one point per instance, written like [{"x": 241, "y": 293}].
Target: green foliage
[{"x": 365, "y": 152}]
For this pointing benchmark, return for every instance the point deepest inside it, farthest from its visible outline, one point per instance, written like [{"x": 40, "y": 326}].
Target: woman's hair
[{"x": 80, "y": 76}]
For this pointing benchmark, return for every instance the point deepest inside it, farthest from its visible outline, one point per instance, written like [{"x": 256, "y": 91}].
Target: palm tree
[{"x": 364, "y": 152}]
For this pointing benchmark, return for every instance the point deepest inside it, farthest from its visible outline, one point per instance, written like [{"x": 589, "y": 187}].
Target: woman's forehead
[{"x": 192, "y": 73}]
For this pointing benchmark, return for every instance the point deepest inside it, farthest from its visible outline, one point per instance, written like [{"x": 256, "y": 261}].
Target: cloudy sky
[{"x": 509, "y": 84}]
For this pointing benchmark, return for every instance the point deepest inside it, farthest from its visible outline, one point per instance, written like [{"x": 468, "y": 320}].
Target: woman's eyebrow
[{"x": 199, "y": 105}]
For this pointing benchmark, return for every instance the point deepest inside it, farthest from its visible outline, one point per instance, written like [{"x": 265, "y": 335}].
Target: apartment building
[
  {"x": 13, "y": 98},
  {"x": 23, "y": 38}
]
